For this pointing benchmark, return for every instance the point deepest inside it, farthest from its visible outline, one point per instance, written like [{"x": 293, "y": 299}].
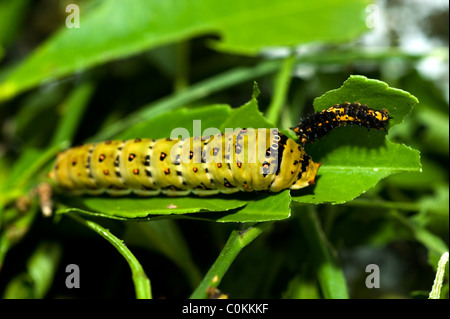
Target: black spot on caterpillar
[
  {"x": 321, "y": 123},
  {"x": 149, "y": 167}
]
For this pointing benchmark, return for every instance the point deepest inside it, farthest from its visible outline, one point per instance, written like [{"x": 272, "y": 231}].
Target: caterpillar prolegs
[{"x": 244, "y": 160}]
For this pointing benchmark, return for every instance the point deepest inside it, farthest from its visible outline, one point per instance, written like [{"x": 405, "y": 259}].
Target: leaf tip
[
  {"x": 256, "y": 90},
  {"x": 7, "y": 90}
]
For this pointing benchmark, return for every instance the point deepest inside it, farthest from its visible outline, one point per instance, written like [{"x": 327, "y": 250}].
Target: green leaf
[
  {"x": 236, "y": 242},
  {"x": 432, "y": 174},
  {"x": 142, "y": 286},
  {"x": 17, "y": 181},
  {"x": 247, "y": 31},
  {"x": 11, "y": 15},
  {"x": 435, "y": 245},
  {"x": 260, "y": 207},
  {"x": 330, "y": 274},
  {"x": 74, "y": 107},
  {"x": 353, "y": 159},
  {"x": 37, "y": 280},
  {"x": 302, "y": 287},
  {"x": 165, "y": 237},
  {"x": 163, "y": 125},
  {"x": 247, "y": 116},
  {"x": 112, "y": 30},
  {"x": 233, "y": 77},
  {"x": 281, "y": 88},
  {"x": 15, "y": 225},
  {"x": 25, "y": 172},
  {"x": 185, "y": 97},
  {"x": 220, "y": 208},
  {"x": 374, "y": 93},
  {"x": 135, "y": 207},
  {"x": 437, "y": 129}
]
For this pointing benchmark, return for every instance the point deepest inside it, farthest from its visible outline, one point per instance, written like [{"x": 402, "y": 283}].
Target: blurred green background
[{"x": 134, "y": 59}]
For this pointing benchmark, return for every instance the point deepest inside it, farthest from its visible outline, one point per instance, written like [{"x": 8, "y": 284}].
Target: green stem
[
  {"x": 141, "y": 282},
  {"x": 384, "y": 204},
  {"x": 439, "y": 279},
  {"x": 15, "y": 189},
  {"x": 37, "y": 279},
  {"x": 330, "y": 275},
  {"x": 376, "y": 204},
  {"x": 12, "y": 232},
  {"x": 182, "y": 66},
  {"x": 236, "y": 242},
  {"x": 75, "y": 105},
  {"x": 431, "y": 241},
  {"x": 282, "y": 82},
  {"x": 5, "y": 245},
  {"x": 36, "y": 166}
]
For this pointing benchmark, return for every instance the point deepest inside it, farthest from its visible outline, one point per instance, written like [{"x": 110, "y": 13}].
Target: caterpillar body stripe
[{"x": 224, "y": 162}]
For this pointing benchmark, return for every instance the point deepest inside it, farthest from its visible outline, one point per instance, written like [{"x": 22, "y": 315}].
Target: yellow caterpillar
[{"x": 247, "y": 160}]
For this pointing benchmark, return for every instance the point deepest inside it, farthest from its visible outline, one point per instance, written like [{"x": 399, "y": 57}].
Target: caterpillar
[
  {"x": 321, "y": 123},
  {"x": 242, "y": 160}
]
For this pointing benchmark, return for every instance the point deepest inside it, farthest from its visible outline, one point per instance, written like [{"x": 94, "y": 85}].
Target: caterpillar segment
[{"x": 244, "y": 160}]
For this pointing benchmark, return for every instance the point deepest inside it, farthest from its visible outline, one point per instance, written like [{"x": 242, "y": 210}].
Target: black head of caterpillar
[{"x": 321, "y": 123}]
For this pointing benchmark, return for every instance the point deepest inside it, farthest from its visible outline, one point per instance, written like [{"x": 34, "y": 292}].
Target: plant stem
[
  {"x": 439, "y": 279},
  {"x": 431, "y": 241},
  {"x": 384, "y": 204},
  {"x": 236, "y": 242},
  {"x": 16, "y": 187},
  {"x": 76, "y": 104},
  {"x": 182, "y": 66},
  {"x": 12, "y": 233},
  {"x": 282, "y": 82},
  {"x": 36, "y": 280},
  {"x": 330, "y": 274},
  {"x": 141, "y": 282}
]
